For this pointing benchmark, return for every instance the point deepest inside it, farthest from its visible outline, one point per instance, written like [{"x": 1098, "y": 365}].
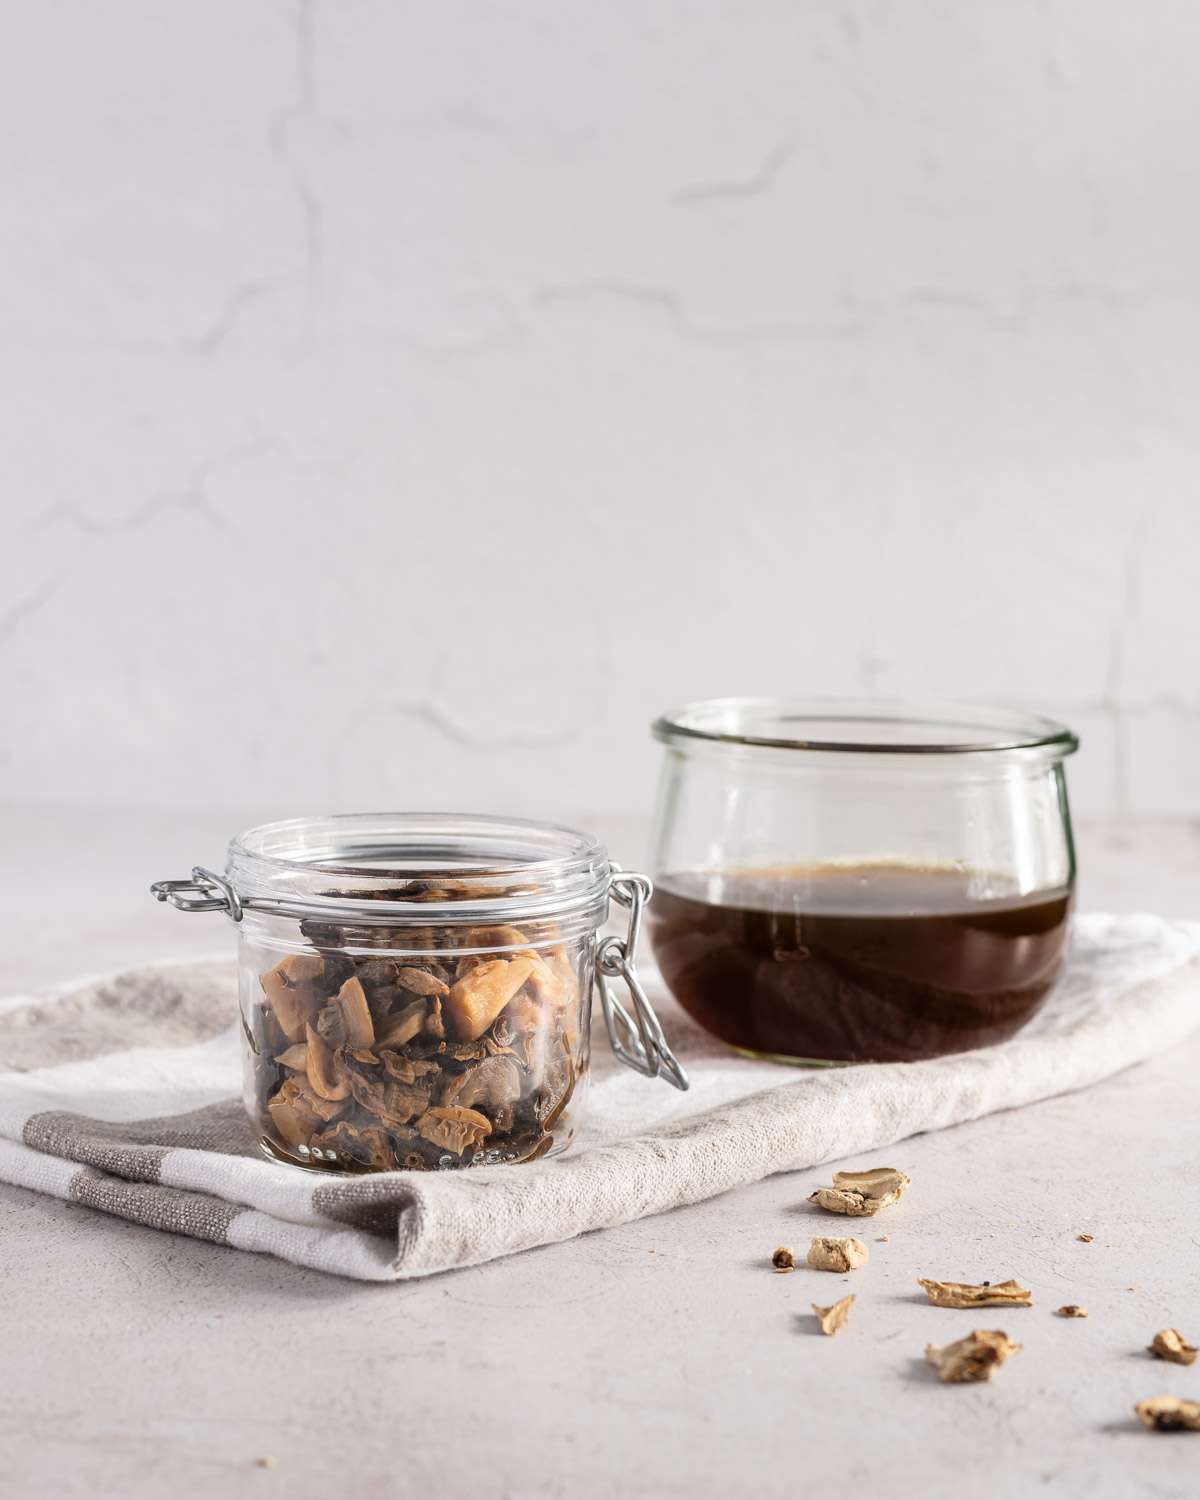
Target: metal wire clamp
[
  {"x": 637, "y": 1040},
  {"x": 205, "y": 891}
]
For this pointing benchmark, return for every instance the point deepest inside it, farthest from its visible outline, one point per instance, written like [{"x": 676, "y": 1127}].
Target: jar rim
[
  {"x": 500, "y": 868},
  {"x": 865, "y": 726}
]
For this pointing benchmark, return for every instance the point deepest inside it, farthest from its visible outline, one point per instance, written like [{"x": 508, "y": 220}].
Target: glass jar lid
[
  {"x": 413, "y": 869},
  {"x": 866, "y": 727}
]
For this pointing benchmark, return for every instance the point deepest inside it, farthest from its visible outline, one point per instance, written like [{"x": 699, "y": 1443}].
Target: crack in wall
[
  {"x": 192, "y": 497},
  {"x": 752, "y": 184},
  {"x": 24, "y": 609},
  {"x": 675, "y": 313},
  {"x": 857, "y": 315}
]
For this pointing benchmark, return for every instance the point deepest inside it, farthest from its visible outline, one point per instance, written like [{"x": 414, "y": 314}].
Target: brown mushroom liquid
[{"x": 864, "y": 963}]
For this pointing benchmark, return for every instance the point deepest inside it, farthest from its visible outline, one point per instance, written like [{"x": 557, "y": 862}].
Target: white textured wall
[{"x": 403, "y": 402}]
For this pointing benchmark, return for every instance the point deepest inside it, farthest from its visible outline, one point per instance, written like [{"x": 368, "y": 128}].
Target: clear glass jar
[
  {"x": 858, "y": 881},
  {"x": 416, "y": 989}
]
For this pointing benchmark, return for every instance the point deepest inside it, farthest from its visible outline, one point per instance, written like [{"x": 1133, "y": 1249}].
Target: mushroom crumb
[
  {"x": 862, "y": 1193},
  {"x": 832, "y": 1318},
  {"x": 985, "y": 1294},
  {"x": 784, "y": 1259},
  {"x": 1170, "y": 1344},
  {"x": 972, "y": 1358},
  {"x": 1169, "y": 1414},
  {"x": 883, "y": 1239},
  {"x": 266, "y": 1462},
  {"x": 837, "y": 1255},
  {"x": 1086, "y": 1238},
  {"x": 1072, "y": 1310}
]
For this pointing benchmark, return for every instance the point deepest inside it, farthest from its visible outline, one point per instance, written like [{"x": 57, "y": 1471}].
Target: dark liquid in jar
[{"x": 862, "y": 963}]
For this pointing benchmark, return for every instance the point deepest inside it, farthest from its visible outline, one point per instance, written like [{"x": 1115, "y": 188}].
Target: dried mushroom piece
[
  {"x": 295, "y": 1058},
  {"x": 1072, "y": 1310},
  {"x": 862, "y": 1193},
  {"x": 985, "y": 1294},
  {"x": 834, "y": 1317},
  {"x": 1170, "y": 1344},
  {"x": 784, "y": 1259},
  {"x": 972, "y": 1358},
  {"x": 1169, "y": 1414},
  {"x": 481, "y": 994},
  {"x": 837, "y": 1255}
]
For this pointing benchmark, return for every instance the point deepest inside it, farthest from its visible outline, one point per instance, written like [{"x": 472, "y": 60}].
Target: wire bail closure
[
  {"x": 637, "y": 1040},
  {"x": 205, "y": 891}
]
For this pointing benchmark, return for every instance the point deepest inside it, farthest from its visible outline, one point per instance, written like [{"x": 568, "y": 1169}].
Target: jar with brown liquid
[{"x": 845, "y": 882}]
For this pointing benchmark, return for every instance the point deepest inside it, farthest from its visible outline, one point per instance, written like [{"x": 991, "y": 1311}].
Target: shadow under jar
[
  {"x": 415, "y": 989},
  {"x": 843, "y": 882}
]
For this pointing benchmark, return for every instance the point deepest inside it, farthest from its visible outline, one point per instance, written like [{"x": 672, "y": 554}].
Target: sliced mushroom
[
  {"x": 1170, "y": 1344},
  {"x": 289, "y": 986},
  {"x": 829, "y": 1254},
  {"x": 1169, "y": 1414},
  {"x": 295, "y": 1058},
  {"x": 553, "y": 981},
  {"x": 296, "y": 1111},
  {"x": 972, "y": 1358},
  {"x": 967, "y": 1294},
  {"x": 492, "y": 1087},
  {"x": 323, "y": 1074},
  {"x": 454, "y": 1129},
  {"x": 404, "y": 1025},
  {"x": 479, "y": 996},
  {"x": 421, "y": 982},
  {"x": 352, "y": 1002},
  {"x": 862, "y": 1193}
]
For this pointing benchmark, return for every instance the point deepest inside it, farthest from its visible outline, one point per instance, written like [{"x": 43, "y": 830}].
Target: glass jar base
[{"x": 331, "y": 1165}]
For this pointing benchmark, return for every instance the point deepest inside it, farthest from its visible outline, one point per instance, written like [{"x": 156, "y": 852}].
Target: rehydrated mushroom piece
[
  {"x": 1071, "y": 1310},
  {"x": 784, "y": 1259},
  {"x": 828, "y": 1254},
  {"x": 832, "y": 1318},
  {"x": 351, "y": 1001},
  {"x": 291, "y": 988},
  {"x": 297, "y": 1112},
  {"x": 972, "y": 1358},
  {"x": 1169, "y": 1414},
  {"x": 421, "y": 981},
  {"x": 378, "y": 1091},
  {"x": 985, "y": 1294},
  {"x": 324, "y": 1075},
  {"x": 1170, "y": 1344},
  {"x": 553, "y": 979},
  {"x": 480, "y": 995},
  {"x": 400, "y": 1028},
  {"x": 454, "y": 1129},
  {"x": 492, "y": 1087},
  {"x": 862, "y": 1193}
]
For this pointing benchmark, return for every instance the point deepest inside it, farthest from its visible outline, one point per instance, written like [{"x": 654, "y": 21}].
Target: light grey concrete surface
[{"x": 663, "y": 1358}]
